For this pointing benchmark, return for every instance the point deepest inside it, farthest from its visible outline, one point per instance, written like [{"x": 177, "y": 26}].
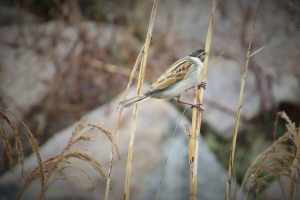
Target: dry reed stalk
[
  {"x": 36, "y": 150},
  {"x": 137, "y": 63},
  {"x": 57, "y": 163},
  {"x": 4, "y": 138},
  {"x": 294, "y": 167},
  {"x": 17, "y": 140},
  {"x": 196, "y": 119},
  {"x": 274, "y": 164},
  {"x": 139, "y": 89},
  {"x": 32, "y": 141},
  {"x": 239, "y": 112},
  {"x": 119, "y": 113}
]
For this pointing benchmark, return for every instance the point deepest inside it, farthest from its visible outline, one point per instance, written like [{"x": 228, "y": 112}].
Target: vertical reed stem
[
  {"x": 135, "y": 111},
  {"x": 137, "y": 62},
  {"x": 239, "y": 112},
  {"x": 196, "y": 120}
]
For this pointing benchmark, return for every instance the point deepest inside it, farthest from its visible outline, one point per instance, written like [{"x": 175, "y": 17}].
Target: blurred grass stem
[{"x": 239, "y": 112}]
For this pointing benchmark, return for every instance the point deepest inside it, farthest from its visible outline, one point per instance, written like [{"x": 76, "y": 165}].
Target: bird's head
[{"x": 199, "y": 53}]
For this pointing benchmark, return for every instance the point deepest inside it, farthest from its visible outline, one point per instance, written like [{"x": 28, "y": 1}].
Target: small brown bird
[{"x": 175, "y": 80}]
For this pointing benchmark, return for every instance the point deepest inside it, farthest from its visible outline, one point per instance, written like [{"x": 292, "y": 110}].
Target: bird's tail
[{"x": 134, "y": 100}]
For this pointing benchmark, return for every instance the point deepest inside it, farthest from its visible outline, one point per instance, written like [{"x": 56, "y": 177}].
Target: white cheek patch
[
  {"x": 199, "y": 68},
  {"x": 198, "y": 61}
]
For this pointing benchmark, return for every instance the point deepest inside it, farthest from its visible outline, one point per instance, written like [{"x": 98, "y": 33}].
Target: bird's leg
[
  {"x": 202, "y": 84},
  {"x": 193, "y": 105}
]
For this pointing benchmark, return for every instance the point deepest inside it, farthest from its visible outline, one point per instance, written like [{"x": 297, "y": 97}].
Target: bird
[{"x": 175, "y": 80}]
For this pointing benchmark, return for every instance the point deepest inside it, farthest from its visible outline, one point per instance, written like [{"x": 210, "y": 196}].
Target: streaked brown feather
[{"x": 172, "y": 75}]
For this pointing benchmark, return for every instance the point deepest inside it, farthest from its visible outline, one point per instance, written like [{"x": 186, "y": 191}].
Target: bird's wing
[{"x": 172, "y": 75}]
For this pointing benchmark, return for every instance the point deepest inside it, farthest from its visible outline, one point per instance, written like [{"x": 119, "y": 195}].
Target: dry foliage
[
  {"x": 273, "y": 162},
  {"x": 4, "y": 138},
  {"x": 33, "y": 143},
  {"x": 49, "y": 169},
  {"x": 285, "y": 160},
  {"x": 17, "y": 140},
  {"x": 276, "y": 161},
  {"x": 60, "y": 162}
]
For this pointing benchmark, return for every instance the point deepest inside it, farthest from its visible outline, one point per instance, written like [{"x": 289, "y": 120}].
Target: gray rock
[
  {"x": 157, "y": 119},
  {"x": 28, "y": 64}
]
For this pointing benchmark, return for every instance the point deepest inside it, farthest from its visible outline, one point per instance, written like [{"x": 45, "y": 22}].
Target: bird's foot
[
  {"x": 198, "y": 107},
  {"x": 202, "y": 84}
]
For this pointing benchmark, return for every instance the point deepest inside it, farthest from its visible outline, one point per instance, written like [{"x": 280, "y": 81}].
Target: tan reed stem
[
  {"x": 238, "y": 112},
  {"x": 196, "y": 120},
  {"x": 135, "y": 111}
]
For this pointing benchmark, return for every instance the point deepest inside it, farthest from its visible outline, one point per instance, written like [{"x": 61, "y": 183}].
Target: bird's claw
[
  {"x": 198, "y": 107},
  {"x": 202, "y": 84}
]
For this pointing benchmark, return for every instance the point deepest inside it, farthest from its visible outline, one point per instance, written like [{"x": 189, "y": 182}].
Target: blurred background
[{"x": 61, "y": 59}]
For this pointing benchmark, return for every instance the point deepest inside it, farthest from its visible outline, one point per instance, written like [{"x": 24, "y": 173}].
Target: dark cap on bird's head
[{"x": 199, "y": 53}]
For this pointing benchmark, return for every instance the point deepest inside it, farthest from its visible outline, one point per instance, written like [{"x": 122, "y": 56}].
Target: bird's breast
[{"x": 193, "y": 74}]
